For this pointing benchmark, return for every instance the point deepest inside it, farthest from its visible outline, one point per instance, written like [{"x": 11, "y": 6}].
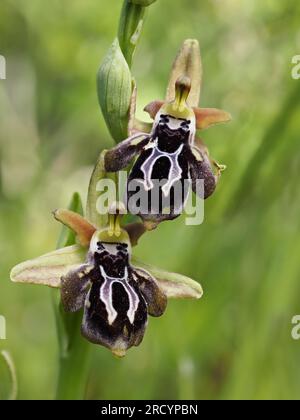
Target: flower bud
[{"x": 114, "y": 83}]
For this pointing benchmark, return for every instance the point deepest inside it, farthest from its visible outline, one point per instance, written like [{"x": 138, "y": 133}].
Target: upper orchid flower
[
  {"x": 170, "y": 158},
  {"x": 99, "y": 275}
]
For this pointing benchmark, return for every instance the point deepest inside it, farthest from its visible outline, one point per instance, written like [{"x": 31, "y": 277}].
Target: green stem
[
  {"x": 74, "y": 365},
  {"x": 130, "y": 27}
]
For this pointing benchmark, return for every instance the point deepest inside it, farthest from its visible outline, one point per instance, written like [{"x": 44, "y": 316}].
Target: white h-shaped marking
[
  {"x": 106, "y": 296},
  {"x": 174, "y": 172}
]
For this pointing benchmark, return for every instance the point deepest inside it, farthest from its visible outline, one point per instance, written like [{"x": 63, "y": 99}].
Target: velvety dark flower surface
[{"x": 116, "y": 297}]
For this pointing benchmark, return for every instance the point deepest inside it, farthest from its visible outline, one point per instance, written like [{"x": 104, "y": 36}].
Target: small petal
[
  {"x": 172, "y": 284},
  {"x": 154, "y": 296},
  {"x": 153, "y": 108},
  {"x": 135, "y": 232},
  {"x": 83, "y": 229},
  {"x": 48, "y": 269},
  {"x": 67, "y": 237},
  {"x": 206, "y": 117}
]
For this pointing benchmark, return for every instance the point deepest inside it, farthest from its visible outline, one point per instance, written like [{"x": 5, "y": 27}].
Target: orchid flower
[
  {"x": 170, "y": 154},
  {"x": 100, "y": 276}
]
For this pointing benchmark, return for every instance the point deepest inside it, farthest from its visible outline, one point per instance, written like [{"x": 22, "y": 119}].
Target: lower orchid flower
[{"x": 100, "y": 276}]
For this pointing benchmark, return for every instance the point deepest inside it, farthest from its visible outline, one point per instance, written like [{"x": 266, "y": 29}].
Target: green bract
[{"x": 114, "y": 83}]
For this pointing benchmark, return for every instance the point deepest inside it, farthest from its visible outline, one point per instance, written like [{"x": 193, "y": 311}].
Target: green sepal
[
  {"x": 174, "y": 285},
  {"x": 49, "y": 268}
]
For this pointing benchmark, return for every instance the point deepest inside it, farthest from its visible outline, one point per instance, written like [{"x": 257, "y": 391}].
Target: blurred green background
[{"x": 234, "y": 343}]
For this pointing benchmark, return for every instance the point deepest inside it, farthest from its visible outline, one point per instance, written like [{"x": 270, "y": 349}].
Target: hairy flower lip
[{"x": 107, "y": 319}]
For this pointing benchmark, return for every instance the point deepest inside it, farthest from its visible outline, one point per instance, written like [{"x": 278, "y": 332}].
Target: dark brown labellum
[{"x": 116, "y": 297}]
